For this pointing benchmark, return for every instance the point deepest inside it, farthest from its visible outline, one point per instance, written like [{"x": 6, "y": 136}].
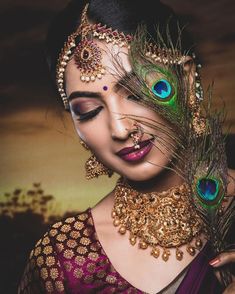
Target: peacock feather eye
[
  {"x": 162, "y": 89},
  {"x": 210, "y": 191}
]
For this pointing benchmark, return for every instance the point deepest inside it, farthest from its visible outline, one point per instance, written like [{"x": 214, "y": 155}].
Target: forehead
[{"x": 114, "y": 59}]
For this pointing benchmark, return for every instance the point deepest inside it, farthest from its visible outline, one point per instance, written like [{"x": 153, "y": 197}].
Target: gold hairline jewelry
[
  {"x": 163, "y": 55},
  {"x": 157, "y": 220},
  {"x": 88, "y": 56}
]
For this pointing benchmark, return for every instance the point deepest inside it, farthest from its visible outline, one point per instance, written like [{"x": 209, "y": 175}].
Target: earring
[
  {"x": 94, "y": 168},
  {"x": 198, "y": 122},
  {"x": 84, "y": 145}
]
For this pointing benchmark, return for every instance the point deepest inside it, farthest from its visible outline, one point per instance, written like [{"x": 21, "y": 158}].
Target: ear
[{"x": 189, "y": 70}]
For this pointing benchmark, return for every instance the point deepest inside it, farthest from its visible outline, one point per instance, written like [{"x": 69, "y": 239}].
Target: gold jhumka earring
[{"x": 94, "y": 168}]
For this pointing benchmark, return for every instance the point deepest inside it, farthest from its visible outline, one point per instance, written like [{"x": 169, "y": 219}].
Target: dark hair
[{"x": 123, "y": 15}]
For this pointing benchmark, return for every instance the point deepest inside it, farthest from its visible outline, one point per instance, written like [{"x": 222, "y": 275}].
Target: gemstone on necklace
[{"x": 208, "y": 188}]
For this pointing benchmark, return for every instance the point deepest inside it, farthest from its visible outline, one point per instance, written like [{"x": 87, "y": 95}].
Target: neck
[{"x": 162, "y": 182}]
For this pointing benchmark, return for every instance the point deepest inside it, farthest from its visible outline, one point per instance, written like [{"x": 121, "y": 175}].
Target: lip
[{"x": 131, "y": 154}]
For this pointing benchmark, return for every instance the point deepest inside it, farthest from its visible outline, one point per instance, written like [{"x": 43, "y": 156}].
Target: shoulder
[
  {"x": 67, "y": 242},
  {"x": 67, "y": 237}
]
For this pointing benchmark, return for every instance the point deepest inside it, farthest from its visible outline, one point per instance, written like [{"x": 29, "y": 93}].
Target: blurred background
[{"x": 42, "y": 163}]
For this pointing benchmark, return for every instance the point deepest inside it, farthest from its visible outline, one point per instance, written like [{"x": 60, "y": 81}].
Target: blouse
[{"x": 70, "y": 259}]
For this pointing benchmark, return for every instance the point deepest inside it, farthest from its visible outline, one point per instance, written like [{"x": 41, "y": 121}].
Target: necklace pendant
[
  {"x": 198, "y": 243},
  {"x": 165, "y": 255},
  {"x": 191, "y": 250},
  {"x": 179, "y": 254},
  {"x": 155, "y": 252},
  {"x": 132, "y": 240},
  {"x": 143, "y": 245}
]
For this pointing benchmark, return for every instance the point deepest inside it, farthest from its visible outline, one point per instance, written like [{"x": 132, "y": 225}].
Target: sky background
[{"x": 37, "y": 139}]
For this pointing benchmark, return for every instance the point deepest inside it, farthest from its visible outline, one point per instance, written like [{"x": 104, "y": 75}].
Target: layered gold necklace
[{"x": 158, "y": 220}]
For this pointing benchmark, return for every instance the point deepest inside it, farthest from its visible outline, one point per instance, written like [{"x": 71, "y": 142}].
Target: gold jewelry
[
  {"x": 198, "y": 122},
  {"x": 136, "y": 136},
  {"x": 159, "y": 220},
  {"x": 87, "y": 54},
  {"x": 163, "y": 55},
  {"x": 94, "y": 168},
  {"x": 84, "y": 145}
]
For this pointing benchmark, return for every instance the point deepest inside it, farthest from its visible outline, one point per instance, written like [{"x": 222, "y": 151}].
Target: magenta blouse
[{"x": 70, "y": 259}]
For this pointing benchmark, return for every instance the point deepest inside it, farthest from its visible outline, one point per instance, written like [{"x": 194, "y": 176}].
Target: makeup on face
[
  {"x": 130, "y": 154},
  {"x": 85, "y": 107}
]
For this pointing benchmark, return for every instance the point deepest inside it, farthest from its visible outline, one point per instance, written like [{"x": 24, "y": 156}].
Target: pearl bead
[
  {"x": 143, "y": 245},
  {"x": 133, "y": 240},
  {"x": 191, "y": 250},
  {"x": 155, "y": 252},
  {"x": 116, "y": 222},
  {"x": 122, "y": 230}
]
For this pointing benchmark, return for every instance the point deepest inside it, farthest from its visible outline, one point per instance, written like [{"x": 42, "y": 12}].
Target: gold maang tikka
[
  {"x": 87, "y": 54},
  {"x": 160, "y": 221}
]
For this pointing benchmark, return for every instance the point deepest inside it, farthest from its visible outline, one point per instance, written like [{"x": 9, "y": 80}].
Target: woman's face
[{"x": 99, "y": 110}]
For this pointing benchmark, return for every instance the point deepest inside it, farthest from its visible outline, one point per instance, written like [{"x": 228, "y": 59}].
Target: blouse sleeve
[{"x": 43, "y": 273}]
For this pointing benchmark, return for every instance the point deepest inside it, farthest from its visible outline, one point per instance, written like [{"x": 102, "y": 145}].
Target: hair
[{"x": 123, "y": 15}]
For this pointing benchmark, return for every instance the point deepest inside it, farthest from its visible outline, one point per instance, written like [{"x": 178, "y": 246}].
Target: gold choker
[{"x": 166, "y": 219}]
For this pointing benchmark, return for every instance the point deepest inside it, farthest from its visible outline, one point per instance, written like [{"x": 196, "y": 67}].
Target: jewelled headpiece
[{"x": 87, "y": 54}]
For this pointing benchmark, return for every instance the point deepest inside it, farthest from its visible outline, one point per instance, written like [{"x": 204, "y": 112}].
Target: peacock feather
[{"x": 193, "y": 131}]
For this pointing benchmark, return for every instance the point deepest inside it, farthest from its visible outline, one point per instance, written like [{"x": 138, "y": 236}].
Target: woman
[{"x": 137, "y": 128}]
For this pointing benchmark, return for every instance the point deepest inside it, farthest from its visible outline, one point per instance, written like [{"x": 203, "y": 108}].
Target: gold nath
[{"x": 160, "y": 220}]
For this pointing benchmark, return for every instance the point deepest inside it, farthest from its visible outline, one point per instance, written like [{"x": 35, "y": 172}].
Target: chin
[{"x": 142, "y": 175}]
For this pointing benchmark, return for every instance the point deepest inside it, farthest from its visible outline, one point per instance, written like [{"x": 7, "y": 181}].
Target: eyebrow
[
  {"x": 123, "y": 79},
  {"x": 77, "y": 94}
]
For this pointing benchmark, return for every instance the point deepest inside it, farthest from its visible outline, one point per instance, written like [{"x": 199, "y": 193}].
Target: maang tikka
[{"x": 87, "y": 54}]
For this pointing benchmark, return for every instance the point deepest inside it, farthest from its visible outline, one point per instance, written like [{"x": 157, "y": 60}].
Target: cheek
[{"x": 92, "y": 133}]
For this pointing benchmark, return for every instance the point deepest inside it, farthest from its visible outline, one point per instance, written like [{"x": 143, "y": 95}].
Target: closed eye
[{"x": 90, "y": 114}]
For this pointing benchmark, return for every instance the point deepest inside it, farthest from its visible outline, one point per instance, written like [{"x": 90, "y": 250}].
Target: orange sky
[{"x": 38, "y": 143}]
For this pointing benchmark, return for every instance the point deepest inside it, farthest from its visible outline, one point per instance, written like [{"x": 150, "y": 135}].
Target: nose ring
[{"x": 137, "y": 135}]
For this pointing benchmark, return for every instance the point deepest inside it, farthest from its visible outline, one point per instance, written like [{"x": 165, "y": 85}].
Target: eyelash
[{"x": 90, "y": 114}]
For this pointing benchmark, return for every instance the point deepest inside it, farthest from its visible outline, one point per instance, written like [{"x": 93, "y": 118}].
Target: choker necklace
[{"x": 158, "y": 220}]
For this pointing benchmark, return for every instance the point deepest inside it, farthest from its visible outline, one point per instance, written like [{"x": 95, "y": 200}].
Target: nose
[{"x": 121, "y": 126}]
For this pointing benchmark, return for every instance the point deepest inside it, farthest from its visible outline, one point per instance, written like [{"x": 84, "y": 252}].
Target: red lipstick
[{"x": 132, "y": 154}]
